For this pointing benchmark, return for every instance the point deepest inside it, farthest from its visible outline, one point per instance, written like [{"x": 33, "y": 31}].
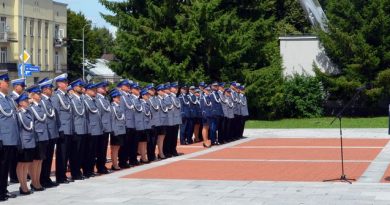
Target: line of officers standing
[{"x": 77, "y": 121}]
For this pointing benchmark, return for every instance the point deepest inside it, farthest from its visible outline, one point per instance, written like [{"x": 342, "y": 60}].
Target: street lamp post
[
  {"x": 23, "y": 31},
  {"x": 83, "y": 40}
]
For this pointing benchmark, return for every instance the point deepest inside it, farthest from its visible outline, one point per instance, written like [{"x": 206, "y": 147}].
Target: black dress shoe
[
  {"x": 135, "y": 163},
  {"x": 78, "y": 178},
  {"x": 175, "y": 154},
  {"x": 10, "y": 195},
  {"x": 115, "y": 169},
  {"x": 143, "y": 162},
  {"x": 89, "y": 175},
  {"x": 104, "y": 171},
  {"x": 70, "y": 180},
  {"x": 160, "y": 158},
  {"x": 124, "y": 166},
  {"x": 23, "y": 192},
  {"x": 52, "y": 184},
  {"x": 36, "y": 189},
  {"x": 62, "y": 181},
  {"x": 3, "y": 197}
]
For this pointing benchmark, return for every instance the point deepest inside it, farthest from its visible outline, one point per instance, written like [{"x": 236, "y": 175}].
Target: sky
[{"x": 92, "y": 10}]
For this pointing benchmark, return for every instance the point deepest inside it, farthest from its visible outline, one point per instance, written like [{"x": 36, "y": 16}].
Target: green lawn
[{"x": 376, "y": 122}]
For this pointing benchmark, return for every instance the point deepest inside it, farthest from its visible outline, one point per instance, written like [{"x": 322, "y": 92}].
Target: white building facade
[{"x": 300, "y": 53}]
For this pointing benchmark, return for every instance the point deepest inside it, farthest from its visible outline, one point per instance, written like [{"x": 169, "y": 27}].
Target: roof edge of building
[
  {"x": 299, "y": 37},
  {"x": 60, "y": 3}
]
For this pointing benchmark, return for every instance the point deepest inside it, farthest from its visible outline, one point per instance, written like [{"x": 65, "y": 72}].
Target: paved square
[{"x": 269, "y": 167}]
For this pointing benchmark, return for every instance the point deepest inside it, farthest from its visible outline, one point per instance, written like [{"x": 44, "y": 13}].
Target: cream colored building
[{"x": 44, "y": 34}]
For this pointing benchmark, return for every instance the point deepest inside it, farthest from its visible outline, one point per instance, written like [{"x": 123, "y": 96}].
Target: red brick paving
[
  {"x": 316, "y": 142},
  {"x": 258, "y": 171},
  {"x": 293, "y": 154},
  {"x": 225, "y": 169}
]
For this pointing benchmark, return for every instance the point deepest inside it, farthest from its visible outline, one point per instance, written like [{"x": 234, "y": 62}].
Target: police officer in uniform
[
  {"x": 164, "y": 104},
  {"x": 177, "y": 119},
  {"x": 128, "y": 107},
  {"x": 95, "y": 130},
  {"x": 118, "y": 127},
  {"x": 62, "y": 105},
  {"x": 185, "y": 127},
  {"x": 237, "y": 110},
  {"x": 207, "y": 115},
  {"x": 46, "y": 86},
  {"x": 80, "y": 131},
  {"x": 169, "y": 138},
  {"x": 222, "y": 119},
  {"x": 217, "y": 113},
  {"x": 228, "y": 110},
  {"x": 9, "y": 136},
  {"x": 42, "y": 136},
  {"x": 18, "y": 86},
  {"x": 243, "y": 108},
  {"x": 154, "y": 122},
  {"x": 138, "y": 134},
  {"x": 27, "y": 147},
  {"x": 104, "y": 107},
  {"x": 144, "y": 125},
  {"x": 195, "y": 113}
]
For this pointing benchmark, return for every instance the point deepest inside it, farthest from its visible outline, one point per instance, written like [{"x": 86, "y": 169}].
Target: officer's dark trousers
[
  {"x": 133, "y": 145},
  {"x": 183, "y": 133},
  {"x": 213, "y": 129},
  {"x": 242, "y": 125},
  {"x": 221, "y": 130},
  {"x": 123, "y": 154},
  {"x": 170, "y": 140},
  {"x": 236, "y": 127},
  {"x": 89, "y": 159},
  {"x": 76, "y": 154},
  {"x": 101, "y": 152},
  {"x": 151, "y": 145},
  {"x": 190, "y": 130},
  {"x": 191, "y": 127},
  {"x": 62, "y": 155},
  {"x": 7, "y": 154},
  {"x": 46, "y": 164},
  {"x": 186, "y": 130},
  {"x": 12, "y": 169},
  {"x": 228, "y": 129}
]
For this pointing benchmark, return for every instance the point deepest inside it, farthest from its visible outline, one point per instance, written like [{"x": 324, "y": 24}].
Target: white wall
[{"x": 299, "y": 53}]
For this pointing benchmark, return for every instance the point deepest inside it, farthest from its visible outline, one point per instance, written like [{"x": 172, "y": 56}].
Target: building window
[
  {"x": 3, "y": 55},
  {"x": 39, "y": 28},
  {"x": 46, "y": 59},
  {"x": 57, "y": 61},
  {"x": 46, "y": 29},
  {"x": 3, "y": 28},
  {"x": 57, "y": 31},
  {"x": 39, "y": 57},
  {"x": 31, "y": 28}
]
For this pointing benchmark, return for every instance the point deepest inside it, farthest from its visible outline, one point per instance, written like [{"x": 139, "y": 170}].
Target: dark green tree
[
  {"x": 197, "y": 40},
  {"x": 358, "y": 42}
]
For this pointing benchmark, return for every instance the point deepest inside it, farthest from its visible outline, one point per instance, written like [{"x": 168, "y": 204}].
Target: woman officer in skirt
[
  {"x": 42, "y": 136},
  {"x": 118, "y": 127},
  {"x": 27, "y": 142}
]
